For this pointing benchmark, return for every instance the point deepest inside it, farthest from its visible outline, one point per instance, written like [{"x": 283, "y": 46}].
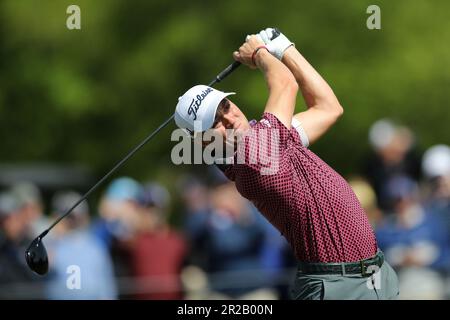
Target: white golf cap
[
  {"x": 381, "y": 133},
  {"x": 196, "y": 109},
  {"x": 436, "y": 161}
]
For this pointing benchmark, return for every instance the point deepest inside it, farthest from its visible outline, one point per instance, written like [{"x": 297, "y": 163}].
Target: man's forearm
[
  {"x": 323, "y": 107},
  {"x": 316, "y": 92},
  {"x": 281, "y": 84},
  {"x": 276, "y": 74}
]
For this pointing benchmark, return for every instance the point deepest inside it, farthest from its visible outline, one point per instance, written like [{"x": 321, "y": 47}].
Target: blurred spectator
[
  {"x": 118, "y": 210},
  {"x": 277, "y": 259},
  {"x": 118, "y": 220},
  {"x": 412, "y": 237},
  {"x": 436, "y": 169},
  {"x": 368, "y": 199},
  {"x": 393, "y": 156},
  {"x": 232, "y": 236},
  {"x": 196, "y": 207},
  {"x": 14, "y": 273},
  {"x": 74, "y": 245},
  {"x": 436, "y": 162},
  {"x": 157, "y": 251},
  {"x": 30, "y": 197}
]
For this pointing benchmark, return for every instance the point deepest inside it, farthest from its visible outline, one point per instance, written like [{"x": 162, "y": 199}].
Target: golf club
[{"x": 36, "y": 254}]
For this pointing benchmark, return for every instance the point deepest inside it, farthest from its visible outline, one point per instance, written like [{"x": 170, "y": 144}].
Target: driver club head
[{"x": 36, "y": 257}]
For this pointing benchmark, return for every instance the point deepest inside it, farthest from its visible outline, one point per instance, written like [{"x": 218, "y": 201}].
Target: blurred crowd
[
  {"x": 407, "y": 198},
  {"x": 140, "y": 241},
  {"x": 221, "y": 248}
]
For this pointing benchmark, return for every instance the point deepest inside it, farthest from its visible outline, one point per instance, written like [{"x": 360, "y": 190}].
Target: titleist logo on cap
[{"x": 195, "y": 104}]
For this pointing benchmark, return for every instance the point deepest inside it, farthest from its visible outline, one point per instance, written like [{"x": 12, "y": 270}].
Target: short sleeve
[
  {"x": 301, "y": 132},
  {"x": 270, "y": 121}
]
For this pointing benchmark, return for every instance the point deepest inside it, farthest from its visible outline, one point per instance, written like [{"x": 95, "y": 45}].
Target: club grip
[
  {"x": 236, "y": 64},
  {"x": 226, "y": 72}
]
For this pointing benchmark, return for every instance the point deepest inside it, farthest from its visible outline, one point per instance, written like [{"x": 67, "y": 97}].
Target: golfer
[{"x": 304, "y": 198}]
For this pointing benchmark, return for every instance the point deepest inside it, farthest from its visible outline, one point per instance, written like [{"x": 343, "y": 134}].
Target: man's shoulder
[{"x": 269, "y": 120}]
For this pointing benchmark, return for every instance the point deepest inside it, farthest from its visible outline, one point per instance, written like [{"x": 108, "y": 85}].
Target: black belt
[{"x": 364, "y": 267}]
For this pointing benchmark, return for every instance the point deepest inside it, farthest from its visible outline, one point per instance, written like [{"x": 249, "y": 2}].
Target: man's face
[{"x": 229, "y": 116}]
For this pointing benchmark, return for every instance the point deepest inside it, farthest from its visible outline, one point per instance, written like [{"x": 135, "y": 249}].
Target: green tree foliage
[{"x": 87, "y": 96}]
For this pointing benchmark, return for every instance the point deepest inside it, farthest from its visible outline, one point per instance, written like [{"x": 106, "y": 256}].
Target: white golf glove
[
  {"x": 258, "y": 36},
  {"x": 277, "y": 46}
]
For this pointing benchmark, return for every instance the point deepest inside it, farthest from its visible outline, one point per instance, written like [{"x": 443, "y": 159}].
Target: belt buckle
[{"x": 364, "y": 269}]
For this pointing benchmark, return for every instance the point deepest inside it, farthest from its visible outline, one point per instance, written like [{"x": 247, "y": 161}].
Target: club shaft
[
  {"x": 218, "y": 78},
  {"x": 115, "y": 168},
  {"x": 225, "y": 73}
]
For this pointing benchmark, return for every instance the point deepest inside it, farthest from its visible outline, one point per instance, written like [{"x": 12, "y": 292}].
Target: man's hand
[
  {"x": 280, "y": 81},
  {"x": 245, "y": 53},
  {"x": 277, "y": 46}
]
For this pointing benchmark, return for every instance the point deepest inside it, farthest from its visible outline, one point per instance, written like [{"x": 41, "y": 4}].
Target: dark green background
[{"x": 87, "y": 96}]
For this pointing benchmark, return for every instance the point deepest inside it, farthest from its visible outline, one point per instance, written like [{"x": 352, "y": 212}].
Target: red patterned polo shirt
[{"x": 303, "y": 197}]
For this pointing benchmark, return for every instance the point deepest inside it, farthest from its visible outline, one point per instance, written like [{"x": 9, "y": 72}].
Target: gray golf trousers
[{"x": 383, "y": 285}]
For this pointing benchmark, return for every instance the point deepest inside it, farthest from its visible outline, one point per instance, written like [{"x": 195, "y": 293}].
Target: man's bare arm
[
  {"x": 323, "y": 106},
  {"x": 281, "y": 83}
]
